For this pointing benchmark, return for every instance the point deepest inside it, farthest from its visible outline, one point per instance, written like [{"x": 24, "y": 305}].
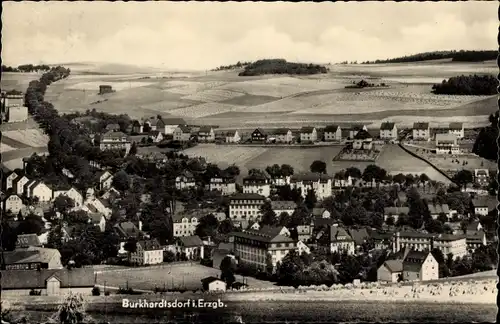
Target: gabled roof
[
  {"x": 338, "y": 233},
  {"x": 362, "y": 134},
  {"x": 33, "y": 279},
  {"x": 248, "y": 196},
  {"x": 210, "y": 279},
  {"x": 438, "y": 209},
  {"x": 191, "y": 241},
  {"x": 261, "y": 131},
  {"x": 310, "y": 177},
  {"x": 281, "y": 131},
  {"x": 331, "y": 128},
  {"x": 448, "y": 237},
  {"x": 421, "y": 126},
  {"x": 113, "y": 135},
  {"x": 415, "y": 257},
  {"x": 184, "y": 129},
  {"x": 359, "y": 235},
  {"x": 263, "y": 235},
  {"x": 283, "y": 205},
  {"x": 25, "y": 240},
  {"x": 271, "y": 230},
  {"x": 318, "y": 211},
  {"x": 149, "y": 245},
  {"x": 491, "y": 203},
  {"x": 307, "y": 129},
  {"x": 387, "y": 126},
  {"x": 396, "y": 211},
  {"x": 456, "y": 126},
  {"x": 205, "y": 130},
  {"x": 394, "y": 265}
]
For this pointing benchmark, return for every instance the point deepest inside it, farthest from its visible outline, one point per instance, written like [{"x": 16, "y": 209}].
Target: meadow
[
  {"x": 179, "y": 276},
  {"x": 225, "y": 99}
]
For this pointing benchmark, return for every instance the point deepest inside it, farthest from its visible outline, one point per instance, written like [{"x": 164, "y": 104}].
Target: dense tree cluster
[
  {"x": 232, "y": 66},
  {"x": 486, "y": 141},
  {"x": 458, "y": 56},
  {"x": 26, "y": 68},
  {"x": 101, "y": 120},
  {"x": 280, "y": 66},
  {"x": 471, "y": 85}
]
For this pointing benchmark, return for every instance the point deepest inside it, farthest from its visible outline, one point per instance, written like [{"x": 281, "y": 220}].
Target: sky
[{"x": 199, "y": 36}]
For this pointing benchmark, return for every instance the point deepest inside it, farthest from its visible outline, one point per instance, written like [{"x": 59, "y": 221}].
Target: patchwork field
[
  {"x": 29, "y": 137},
  {"x": 185, "y": 275},
  {"x": 18, "y": 81},
  {"x": 5, "y": 148},
  {"x": 228, "y": 100}
]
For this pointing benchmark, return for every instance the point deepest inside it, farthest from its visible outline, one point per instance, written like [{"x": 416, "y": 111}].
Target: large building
[
  {"x": 261, "y": 248},
  {"x": 340, "y": 241},
  {"x": 13, "y": 108},
  {"x": 245, "y": 207},
  {"x": 482, "y": 177},
  {"x": 258, "y": 184},
  {"x": 321, "y": 184},
  {"x": 447, "y": 144},
  {"x": 225, "y": 184},
  {"x": 420, "y": 266},
  {"x": 455, "y": 244},
  {"x": 147, "y": 252},
  {"x": 457, "y": 129},
  {"x": 115, "y": 141},
  {"x": 421, "y": 131},
  {"x": 185, "y": 222}
]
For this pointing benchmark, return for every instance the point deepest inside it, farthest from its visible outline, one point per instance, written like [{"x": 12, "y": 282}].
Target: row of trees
[
  {"x": 26, "y": 68},
  {"x": 471, "y": 85},
  {"x": 232, "y": 66},
  {"x": 486, "y": 141},
  {"x": 280, "y": 66},
  {"x": 457, "y": 56}
]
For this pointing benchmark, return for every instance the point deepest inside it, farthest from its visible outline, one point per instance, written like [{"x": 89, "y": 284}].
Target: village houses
[
  {"x": 333, "y": 133},
  {"x": 321, "y": 184},
  {"x": 13, "y": 203},
  {"x": 280, "y": 207},
  {"x": 98, "y": 220},
  {"x": 225, "y": 184},
  {"x": 355, "y": 129},
  {"x": 19, "y": 183},
  {"x": 388, "y": 131},
  {"x": 185, "y": 181},
  {"x": 170, "y": 124},
  {"x": 182, "y": 133},
  {"x": 447, "y": 144},
  {"x": 259, "y": 135},
  {"x": 258, "y": 184},
  {"x": 39, "y": 190},
  {"x": 232, "y": 137},
  {"x": 71, "y": 193},
  {"x": 283, "y": 135},
  {"x": 155, "y": 136},
  {"x": 245, "y": 207},
  {"x": 338, "y": 240},
  {"x": 105, "y": 179},
  {"x": 191, "y": 247},
  {"x": 115, "y": 141},
  {"x": 362, "y": 140},
  {"x": 457, "y": 129},
  {"x": 395, "y": 212},
  {"x": 9, "y": 180},
  {"x": 421, "y": 131},
  {"x": 147, "y": 252},
  {"x": 206, "y": 134},
  {"x": 308, "y": 134}
]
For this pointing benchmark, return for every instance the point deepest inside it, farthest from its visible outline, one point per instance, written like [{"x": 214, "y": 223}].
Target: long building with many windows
[
  {"x": 245, "y": 207},
  {"x": 261, "y": 248}
]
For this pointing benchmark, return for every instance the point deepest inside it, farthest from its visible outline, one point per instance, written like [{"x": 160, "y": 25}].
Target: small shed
[{"x": 213, "y": 284}]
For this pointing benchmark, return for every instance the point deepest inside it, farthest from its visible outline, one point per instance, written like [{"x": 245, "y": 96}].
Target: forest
[
  {"x": 455, "y": 56},
  {"x": 281, "y": 66}
]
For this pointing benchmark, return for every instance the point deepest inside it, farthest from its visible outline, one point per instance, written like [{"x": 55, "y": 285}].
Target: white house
[
  {"x": 147, "y": 252},
  {"x": 340, "y": 241},
  {"x": 280, "y": 207},
  {"x": 191, "y": 247},
  {"x": 308, "y": 134},
  {"x": 388, "y": 131},
  {"x": 172, "y": 123},
  {"x": 245, "y": 207},
  {"x": 420, "y": 266},
  {"x": 283, "y": 135},
  {"x": 41, "y": 191},
  {"x": 206, "y": 134},
  {"x": 233, "y": 137},
  {"x": 457, "y": 129},
  {"x": 182, "y": 134},
  {"x": 320, "y": 183},
  {"x": 156, "y": 136},
  {"x": 447, "y": 144},
  {"x": 258, "y": 184},
  {"x": 213, "y": 284},
  {"x": 105, "y": 179},
  {"x": 100, "y": 205},
  {"x": 185, "y": 181},
  {"x": 226, "y": 185},
  {"x": 71, "y": 193},
  {"x": 333, "y": 133},
  {"x": 9, "y": 180},
  {"x": 421, "y": 131},
  {"x": 19, "y": 183},
  {"x": 13, "y": 203}
]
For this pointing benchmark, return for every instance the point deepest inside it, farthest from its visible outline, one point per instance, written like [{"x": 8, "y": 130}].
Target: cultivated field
[
  {"x": 17, "y": 81},
  {"x": 30, "y": 137},
  {"x": 186, "y": 275},
  {"x": 276, "y": 100},
  {"x": 224, "y": 155},
  {"x": 5, "y": 148}
]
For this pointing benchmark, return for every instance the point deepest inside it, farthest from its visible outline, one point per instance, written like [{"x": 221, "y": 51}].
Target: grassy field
[
  {"x": 225, "y": 99},
  {"x": 179, "y": 276}
]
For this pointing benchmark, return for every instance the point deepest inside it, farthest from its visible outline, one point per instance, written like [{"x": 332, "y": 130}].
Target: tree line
[
  {"x": 232, "y": 66},
  {"x": 486, "y": 141},
  {"x": 281, "y": 66},
  {"x": 26, "y": 68},
  {"x": 471, "y": 85},
  {"x": 455, "y": 56}
]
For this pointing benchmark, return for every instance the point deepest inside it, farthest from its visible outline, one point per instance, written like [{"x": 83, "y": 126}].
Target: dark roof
[
  {"x": 362, "y": 134},
  {"x": 416, "y": 234},
  {"x": 210, "y": 279},
  {"x": 25, "y": 240},
  {"x": 281, "y": 131},
  {"x": 149, "y": 245},
  {"x": 266, "y": 234},
  {"x": 423, "y": 126},
  {"x": 307, "y": 129},
  {"x": 191, "y": 241},
  {"x": 331, "y": 128},
  {"x": 394, "y": 265},
  {"x": 270, "y": 230},
  {"x": 184, "y": 129},
  {"x": 127, "y": 228},
  {"x": 33, "y": 279},
  {"x": 248, "y": 196},
  {"x": 381, "y": 236},
  {"x": 473, "y": 226},
  {"x": 174, "y": 121},
  {"x": 320, "y": 221},
  {"x": 448, "y": 237},
  {"x": 261, "y": 131},
  {"x": 313, "y": 177},
  {"x": 283, "y": 205},
  {"x": 491, "y": 203},
  {"x": 318, "y": 211},
  {"x": 338, "y": 233},
  {"x": 359, "y": 235},
  {"x": 95, "y": 217},
  {"x": 396, "y": 211},
  {"x": 415, "y": 258},
  {"x": 456, "y": 126},
  {"x": 205, "y": 130},
  {"x": 111, "y": 135},
  {"x": 16, "y": 256},
  {"x": 387, "y": 126},
  {"x": 438, "y": 209},
  {"x": 357, "y": 127}
]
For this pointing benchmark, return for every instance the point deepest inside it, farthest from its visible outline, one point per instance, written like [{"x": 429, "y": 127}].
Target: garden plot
[
  {"x": 206, "y": 109},
  {"x": 213, "y": 95},
  {"x": 31, "y": 137},
  {"x": 117, "y": 86}
]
